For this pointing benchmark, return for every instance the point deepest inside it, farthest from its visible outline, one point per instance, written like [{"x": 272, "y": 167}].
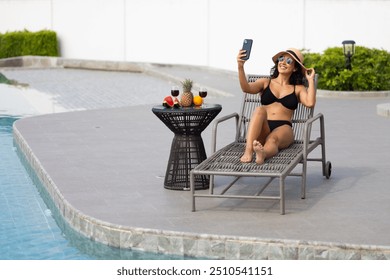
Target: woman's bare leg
[
  {"x": 280, "y": 138},
  {"x": 260, "y": 152},
  {"x": 257, "y": 130}
]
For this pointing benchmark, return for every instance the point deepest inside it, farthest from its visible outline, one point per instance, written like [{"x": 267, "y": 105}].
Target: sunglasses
[{"x": 289, "y": 60}]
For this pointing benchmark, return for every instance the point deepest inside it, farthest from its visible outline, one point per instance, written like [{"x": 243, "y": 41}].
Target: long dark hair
[{"x": 296, "y": 77}]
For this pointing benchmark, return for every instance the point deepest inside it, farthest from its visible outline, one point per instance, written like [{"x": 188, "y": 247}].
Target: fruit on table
[
  {"x": 176, "y": 102},
  {"x": 168, "y": 102},
  {"x": 197, "y": 100},
  {"x": 187, "y": 96}
]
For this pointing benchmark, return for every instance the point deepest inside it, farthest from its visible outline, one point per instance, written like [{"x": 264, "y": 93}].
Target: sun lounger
[{"x": 226, "y": 161}]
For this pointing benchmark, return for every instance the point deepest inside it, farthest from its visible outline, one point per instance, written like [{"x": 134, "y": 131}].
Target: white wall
[{"x": 201, "y": 32}]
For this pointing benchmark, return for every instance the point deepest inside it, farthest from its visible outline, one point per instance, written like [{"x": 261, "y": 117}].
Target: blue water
[{"x": 30, "y": 227}]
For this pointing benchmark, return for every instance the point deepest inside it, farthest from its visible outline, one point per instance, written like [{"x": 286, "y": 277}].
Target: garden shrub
[
  {"x": 21, "y": 43},
  {"x": 3, "y": 79},
  {"x": 370, "y": 69}
]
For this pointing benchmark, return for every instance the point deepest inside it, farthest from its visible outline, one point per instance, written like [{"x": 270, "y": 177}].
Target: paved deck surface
[{"x": 107, "y": 156}]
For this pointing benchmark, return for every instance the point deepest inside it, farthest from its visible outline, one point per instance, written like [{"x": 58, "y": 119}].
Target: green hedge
[
  {"x": 370, "y": 69},
  {"x": 21, "y": 43},
  {"x": 3, "y": 79}
]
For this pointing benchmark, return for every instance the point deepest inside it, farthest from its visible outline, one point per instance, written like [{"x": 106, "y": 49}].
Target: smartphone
[{"x": 247, "y": 45}]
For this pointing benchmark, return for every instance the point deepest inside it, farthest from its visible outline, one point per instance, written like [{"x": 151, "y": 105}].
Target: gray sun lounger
[{"x": 226, "y": 161}]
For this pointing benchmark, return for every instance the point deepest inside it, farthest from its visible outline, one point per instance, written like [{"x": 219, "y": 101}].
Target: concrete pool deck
[{"x": 103, "y": 164}]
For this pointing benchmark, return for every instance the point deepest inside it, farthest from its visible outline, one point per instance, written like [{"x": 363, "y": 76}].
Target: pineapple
[{"x": 187, "y": 96}]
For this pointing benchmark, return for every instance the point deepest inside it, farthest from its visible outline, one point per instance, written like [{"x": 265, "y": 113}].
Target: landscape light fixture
[{"x": 349, "y": 51}]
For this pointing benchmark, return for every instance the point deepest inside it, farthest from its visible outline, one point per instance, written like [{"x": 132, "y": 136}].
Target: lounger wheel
[{"x": 328, "y": 169}]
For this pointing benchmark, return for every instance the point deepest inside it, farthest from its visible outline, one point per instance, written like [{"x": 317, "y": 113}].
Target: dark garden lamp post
[{"x": 349, "y": 51}]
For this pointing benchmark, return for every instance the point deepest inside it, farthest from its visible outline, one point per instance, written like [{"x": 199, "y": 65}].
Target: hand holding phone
[{"x": 247, "y": 46}]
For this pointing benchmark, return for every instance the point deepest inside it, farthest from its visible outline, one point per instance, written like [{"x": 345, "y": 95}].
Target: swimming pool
[{"x": 31, "y": 228}]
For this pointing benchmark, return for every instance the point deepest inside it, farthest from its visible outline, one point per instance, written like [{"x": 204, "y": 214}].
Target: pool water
[{"x": 31, "y": 227}]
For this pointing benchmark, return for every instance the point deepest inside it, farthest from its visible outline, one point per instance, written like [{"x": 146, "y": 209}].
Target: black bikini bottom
[{"x": 275, "y": 124}]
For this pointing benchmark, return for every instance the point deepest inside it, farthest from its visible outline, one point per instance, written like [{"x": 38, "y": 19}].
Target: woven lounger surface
[{"x": 226, "y": 161}]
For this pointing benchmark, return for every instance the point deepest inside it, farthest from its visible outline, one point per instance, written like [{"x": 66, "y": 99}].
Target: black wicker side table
[{"x": 187, "y": 150}]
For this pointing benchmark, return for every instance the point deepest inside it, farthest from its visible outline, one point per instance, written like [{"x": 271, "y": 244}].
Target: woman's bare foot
[
  {"x": 247, "y": 156},
  {"x": 259, "y": 150}
]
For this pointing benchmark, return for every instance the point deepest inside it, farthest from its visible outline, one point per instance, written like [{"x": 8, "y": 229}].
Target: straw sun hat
[{"x": 295, "y": 54}]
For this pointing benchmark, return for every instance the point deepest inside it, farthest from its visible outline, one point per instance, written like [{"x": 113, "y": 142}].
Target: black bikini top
[{"x": 289, "y": 101}]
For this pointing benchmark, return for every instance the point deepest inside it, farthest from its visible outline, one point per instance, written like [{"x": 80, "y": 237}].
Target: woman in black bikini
[{"x": 270, "y": 128}]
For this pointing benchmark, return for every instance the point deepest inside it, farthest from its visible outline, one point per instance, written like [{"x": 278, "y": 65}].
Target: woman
[{"x": 270, "y": 128}]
